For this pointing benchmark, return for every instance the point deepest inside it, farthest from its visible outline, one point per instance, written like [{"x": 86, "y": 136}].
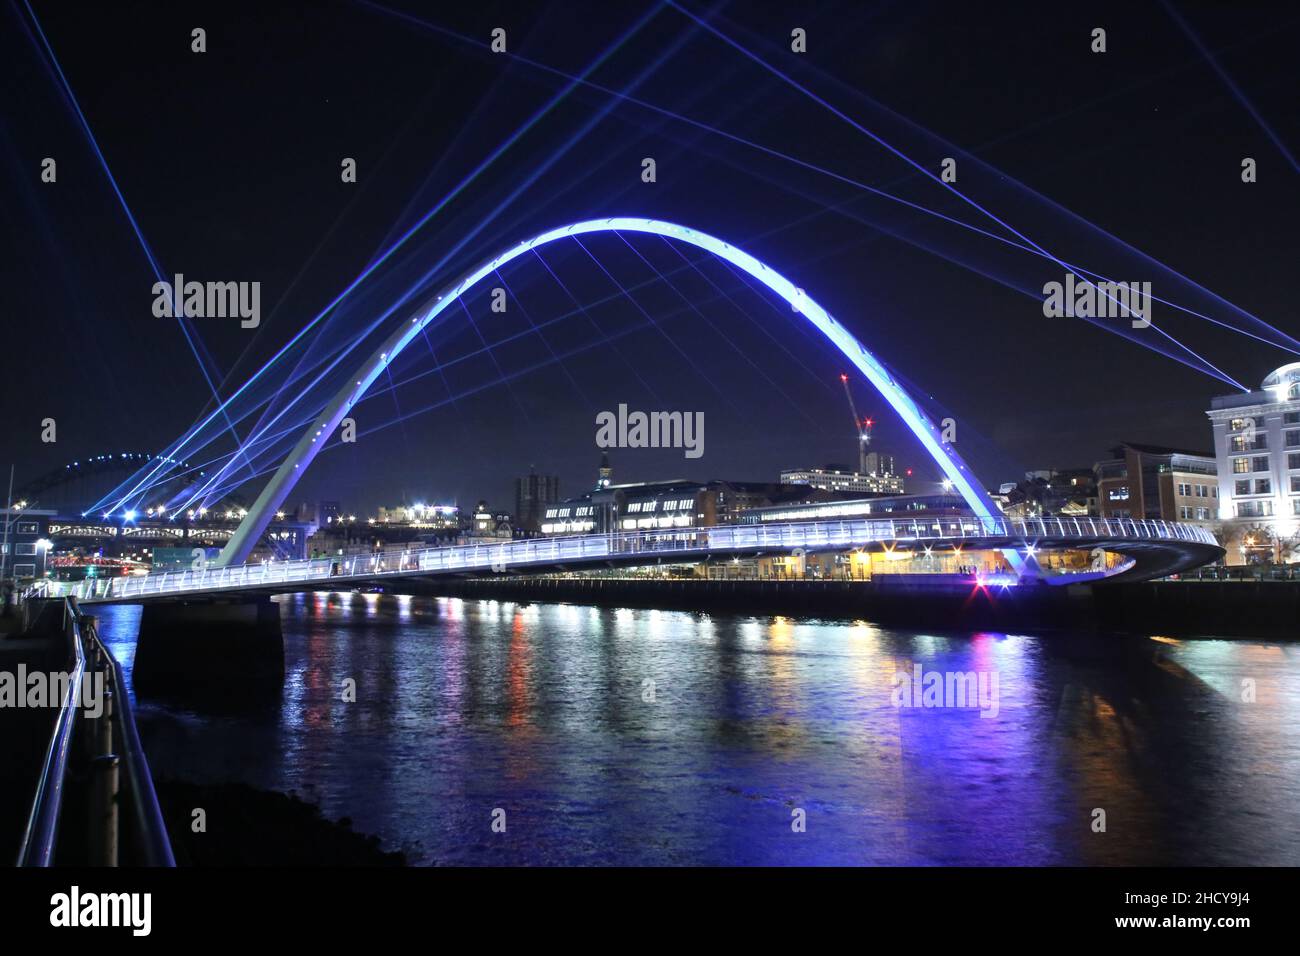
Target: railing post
[{"x": 104, "y": 784}]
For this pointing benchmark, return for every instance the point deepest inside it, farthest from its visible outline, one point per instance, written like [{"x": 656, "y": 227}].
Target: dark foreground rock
[{"x": 249, "y": 827}]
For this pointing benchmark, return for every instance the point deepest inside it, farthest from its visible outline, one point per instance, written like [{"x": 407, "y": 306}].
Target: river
[{"x": 619, "y": 736}]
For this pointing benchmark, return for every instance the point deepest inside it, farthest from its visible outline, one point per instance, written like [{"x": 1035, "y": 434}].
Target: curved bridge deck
[{"x": 1156, "y": 548}]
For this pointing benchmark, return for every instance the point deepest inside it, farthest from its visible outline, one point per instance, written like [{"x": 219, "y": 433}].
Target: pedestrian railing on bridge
[{"x": 685, "y": 543}]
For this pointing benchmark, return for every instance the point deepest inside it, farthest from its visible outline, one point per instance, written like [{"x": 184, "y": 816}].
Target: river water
[{"x": 616, "y": 736}]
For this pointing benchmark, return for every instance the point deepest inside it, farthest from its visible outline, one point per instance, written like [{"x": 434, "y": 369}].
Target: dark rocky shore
[{"x": 250, "y": 827}]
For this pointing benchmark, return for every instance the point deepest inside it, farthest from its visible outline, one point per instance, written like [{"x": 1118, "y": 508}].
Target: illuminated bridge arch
[
  {"x": 71, "y": 486},
  {"x": 278, "y": 488}
]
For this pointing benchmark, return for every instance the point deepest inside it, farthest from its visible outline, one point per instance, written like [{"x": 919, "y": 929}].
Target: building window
[
  {"x": 1184, "y": 490},
  {"x": 1118, "y": 494},
  {"x": 1263, "y": 486},
  {"x": 1184, "y": 512},
  {"x": 1241, "y": 466},
  {"x": 1254, "y": 509},
  {"x": 28, "y": 527},
  {"x": 1203, "y": 514},
  {"x": 1259, "y": 463},
  {"x": 1295, "y": 484},
  {"x": 1242, "y": 487},
  {"x": 1237, "y": 424},
  {"x": 1291, "y": 418}
]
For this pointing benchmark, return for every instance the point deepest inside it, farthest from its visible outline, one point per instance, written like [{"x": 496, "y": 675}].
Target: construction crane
[{"x": 861, "y": 427}]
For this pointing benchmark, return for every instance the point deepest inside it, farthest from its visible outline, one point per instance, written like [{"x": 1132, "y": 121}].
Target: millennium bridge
[{"x": 1149, "y": 548}]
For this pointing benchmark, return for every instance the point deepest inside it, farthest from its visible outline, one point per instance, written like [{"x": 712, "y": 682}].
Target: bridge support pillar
[{"x": 210, "y": 651}]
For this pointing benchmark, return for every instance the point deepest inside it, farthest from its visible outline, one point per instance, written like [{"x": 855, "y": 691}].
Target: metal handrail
[
  {"x": 686, "y": 539},
  {"x": 41, "y": 834},
  {"x": 154, "y": 846}
]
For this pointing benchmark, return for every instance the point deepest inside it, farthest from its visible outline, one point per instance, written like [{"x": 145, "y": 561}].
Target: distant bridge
[{"x": 1152, "y": 548}]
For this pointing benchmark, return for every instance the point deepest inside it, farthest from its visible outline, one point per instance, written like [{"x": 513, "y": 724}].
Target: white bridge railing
[{"x": 685, "y": 542}]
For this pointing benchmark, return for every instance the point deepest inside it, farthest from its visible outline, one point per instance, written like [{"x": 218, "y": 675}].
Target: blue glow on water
[{"x": 464, "y": 706}]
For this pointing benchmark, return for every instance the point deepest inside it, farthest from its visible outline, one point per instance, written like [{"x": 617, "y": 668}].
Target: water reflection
[{"x": 622, "y": 736}]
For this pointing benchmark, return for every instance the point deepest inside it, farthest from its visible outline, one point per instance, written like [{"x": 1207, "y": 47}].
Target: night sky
[{"x": 230, "y": 162}]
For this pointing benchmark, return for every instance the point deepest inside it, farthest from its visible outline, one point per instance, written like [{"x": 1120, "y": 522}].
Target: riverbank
[{"x": 244, "y": 826}]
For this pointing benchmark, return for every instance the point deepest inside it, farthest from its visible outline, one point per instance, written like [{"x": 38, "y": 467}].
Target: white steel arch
[{"x": 268, "y": 502}]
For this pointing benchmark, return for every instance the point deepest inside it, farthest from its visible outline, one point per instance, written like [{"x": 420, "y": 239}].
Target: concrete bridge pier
[{"x": 210, "y": 651}]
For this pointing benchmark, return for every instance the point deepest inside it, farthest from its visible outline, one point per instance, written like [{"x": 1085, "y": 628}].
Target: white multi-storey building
[
  {"x": 832, "y": 478},
  {"x": 1257, "y": 447}
]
